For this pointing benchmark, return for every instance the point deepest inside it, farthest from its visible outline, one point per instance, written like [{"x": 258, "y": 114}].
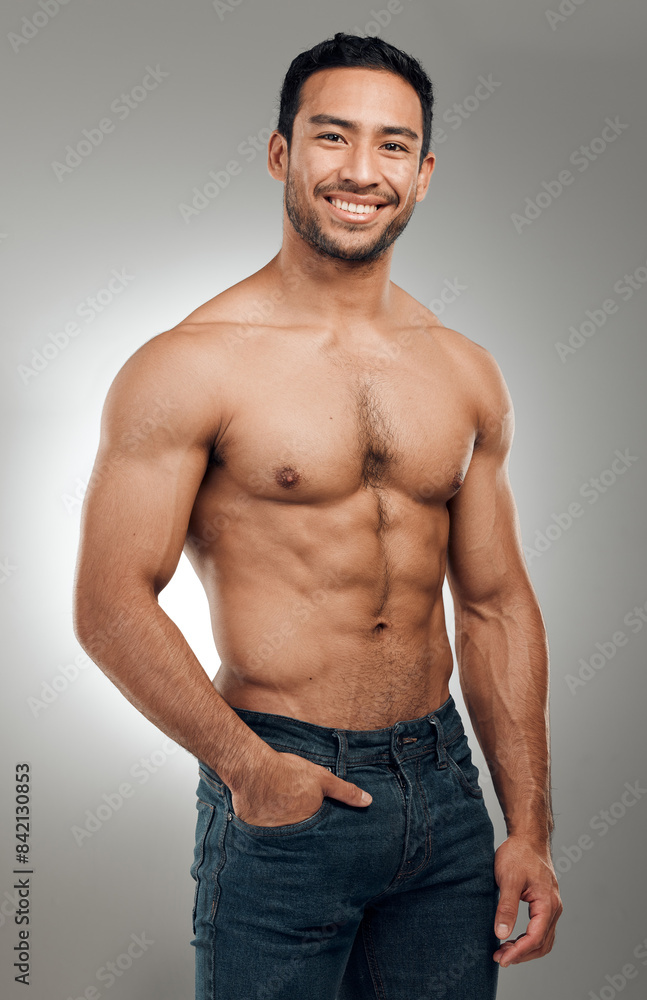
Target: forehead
[{"x": 371, "y": 96}]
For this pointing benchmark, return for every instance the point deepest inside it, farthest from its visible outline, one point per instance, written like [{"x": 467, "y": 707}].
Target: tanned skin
[{"x": 324, "y": 450}]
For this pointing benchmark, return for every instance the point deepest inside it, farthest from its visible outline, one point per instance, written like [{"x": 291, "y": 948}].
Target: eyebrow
[{"x": 382, "y": 130}]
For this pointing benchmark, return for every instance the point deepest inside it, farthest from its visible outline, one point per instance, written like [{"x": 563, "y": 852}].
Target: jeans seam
[
  {"x": 414, "y": 871},
  {"x": 423, "y": 799},
  {"x": 216, "y": 875},
  {"x": 201, "y": 861},
  {"x": 371, "y": 958}
]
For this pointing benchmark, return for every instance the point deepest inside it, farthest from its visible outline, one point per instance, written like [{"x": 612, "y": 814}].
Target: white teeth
[{"x": 351, "y": 207}]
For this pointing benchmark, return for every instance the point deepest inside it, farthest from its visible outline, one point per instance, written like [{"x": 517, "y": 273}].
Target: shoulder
[
  {"x": 476, "y": 360},
  {"x": 484, "y": 379},
  {"x": 197, "y": 346},
  {"x": 472, "y": 366},
  {"x": 473, "y": 358},
  {"x": 173, "y": 388}
]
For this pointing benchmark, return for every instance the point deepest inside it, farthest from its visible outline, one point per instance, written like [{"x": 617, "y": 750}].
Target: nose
[{"x": 360, "y": 166}]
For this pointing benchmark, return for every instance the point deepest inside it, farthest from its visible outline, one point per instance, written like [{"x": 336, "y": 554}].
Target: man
[{"x": 324, "y": 450}]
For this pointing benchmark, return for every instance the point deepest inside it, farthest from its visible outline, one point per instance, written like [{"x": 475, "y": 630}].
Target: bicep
[
  {"x": 153, "y": 453},
  {"x": 484, "y": 552}
]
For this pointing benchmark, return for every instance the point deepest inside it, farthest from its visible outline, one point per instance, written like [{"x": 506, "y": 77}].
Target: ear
[
  {"x": 277, "y": 156},
  {"x": 424, "y": 175}
]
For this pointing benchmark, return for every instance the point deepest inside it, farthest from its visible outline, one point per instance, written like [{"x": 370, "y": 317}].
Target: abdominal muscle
[{"x": 340, "y": 629}]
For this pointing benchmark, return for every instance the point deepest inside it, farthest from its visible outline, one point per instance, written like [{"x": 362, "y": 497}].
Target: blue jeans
[{"x": 395, "y": 900}]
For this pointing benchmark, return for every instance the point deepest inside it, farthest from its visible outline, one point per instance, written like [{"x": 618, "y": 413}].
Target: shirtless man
[{"x": 324, "y": 450}]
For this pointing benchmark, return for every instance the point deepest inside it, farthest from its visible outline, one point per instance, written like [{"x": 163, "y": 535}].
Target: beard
[{"x": 306, "y": 224}]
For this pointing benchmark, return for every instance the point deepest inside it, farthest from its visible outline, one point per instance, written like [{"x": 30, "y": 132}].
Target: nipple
[{"x": 287, "y": 477}]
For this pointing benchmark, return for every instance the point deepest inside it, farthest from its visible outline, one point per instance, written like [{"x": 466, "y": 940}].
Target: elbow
[
  {"x": 88, "y": 622},
  {"x": 102, "y": 620}
]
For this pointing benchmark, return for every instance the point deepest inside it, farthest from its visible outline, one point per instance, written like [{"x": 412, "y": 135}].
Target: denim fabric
[{"x": 395, "y": 900}]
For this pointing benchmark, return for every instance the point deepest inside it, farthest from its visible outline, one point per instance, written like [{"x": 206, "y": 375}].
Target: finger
[
  {"x": 346, "y": 791},
  {"x": 503, "y": 950},
  {"x": 535, "y": 953},
  {"x": 506, "y": 911},
  {"x": 537, "y": 940}
]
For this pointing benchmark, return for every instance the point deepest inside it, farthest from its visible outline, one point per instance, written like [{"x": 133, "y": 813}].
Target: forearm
[
  {"x": 146, "y": 656},
  {"x": 502, "y": 653}
]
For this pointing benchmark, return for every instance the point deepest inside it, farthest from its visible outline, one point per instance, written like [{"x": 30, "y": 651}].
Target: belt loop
[
  {"x": 342, "y": 753},
  {"x": 441, "y": 756}
]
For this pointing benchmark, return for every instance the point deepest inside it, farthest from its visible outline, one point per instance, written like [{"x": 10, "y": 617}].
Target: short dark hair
[{"x": 354, "y": 50}]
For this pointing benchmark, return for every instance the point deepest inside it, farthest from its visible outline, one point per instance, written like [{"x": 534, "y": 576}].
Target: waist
[{"x": 405, "y": 738}]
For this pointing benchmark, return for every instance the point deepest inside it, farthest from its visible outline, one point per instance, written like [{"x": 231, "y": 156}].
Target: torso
[{"x": 320, "y": 529}]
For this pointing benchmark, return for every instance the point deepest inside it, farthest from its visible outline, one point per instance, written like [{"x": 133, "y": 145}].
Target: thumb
[
  {"x": 346, "y": 791},
  {"x": 506, "y": 913}
]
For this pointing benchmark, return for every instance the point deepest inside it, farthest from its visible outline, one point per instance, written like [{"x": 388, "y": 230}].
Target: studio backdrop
[{"x": 135, "y": 187}]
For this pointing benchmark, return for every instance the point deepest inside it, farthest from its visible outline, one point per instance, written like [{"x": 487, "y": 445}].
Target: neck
[{"x": 330, "y": 289}]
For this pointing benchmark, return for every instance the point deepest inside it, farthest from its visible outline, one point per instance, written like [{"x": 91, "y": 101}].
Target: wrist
[
  {"x": 248, "y": 762},
  {"x": 538, "y": 840}
]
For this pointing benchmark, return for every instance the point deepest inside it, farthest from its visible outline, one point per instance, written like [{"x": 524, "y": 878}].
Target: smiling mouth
[{"x": 352, "y": 212}]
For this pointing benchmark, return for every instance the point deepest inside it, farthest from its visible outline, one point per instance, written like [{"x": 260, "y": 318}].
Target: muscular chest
[{"x": 320, "y": 433}]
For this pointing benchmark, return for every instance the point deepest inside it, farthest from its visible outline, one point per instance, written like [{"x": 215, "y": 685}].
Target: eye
[
  {"x": 329, "y": 135},
  {"x": 395, "y": 144}
]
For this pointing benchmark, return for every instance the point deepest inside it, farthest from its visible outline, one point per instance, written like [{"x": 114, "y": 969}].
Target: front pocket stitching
[
  {"x": 217, "y": 786},
  {"x": 283, "y": 831},
  {"x": 473, "y": 789}
]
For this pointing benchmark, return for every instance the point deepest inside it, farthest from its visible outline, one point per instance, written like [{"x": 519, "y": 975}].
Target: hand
[
  {"x": 524, "y": 871},
  {"x": 287, "y": 788}
]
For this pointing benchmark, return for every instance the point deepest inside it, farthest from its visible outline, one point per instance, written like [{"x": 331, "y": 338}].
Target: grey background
[{"x": 120, "y": 209}]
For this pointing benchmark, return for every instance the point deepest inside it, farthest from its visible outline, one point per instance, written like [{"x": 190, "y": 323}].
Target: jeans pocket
[
  {"x": 278, "y": 831},
  {"x": 459, "y": 758}
]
